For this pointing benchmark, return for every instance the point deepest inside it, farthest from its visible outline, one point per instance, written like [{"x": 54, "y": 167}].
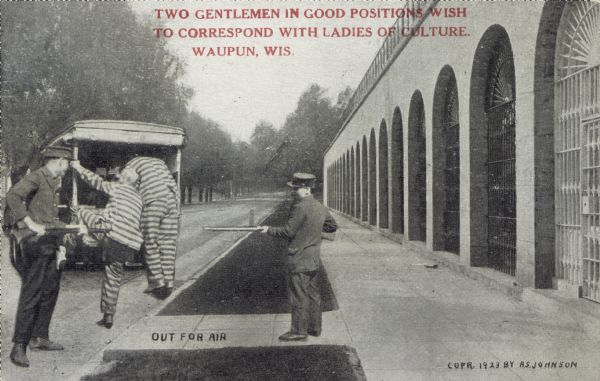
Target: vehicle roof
[{"x": 121, "y": 131}]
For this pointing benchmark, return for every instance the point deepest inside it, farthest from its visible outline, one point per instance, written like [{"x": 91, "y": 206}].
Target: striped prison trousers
[
  {"x": 160, "y": 227},
  {"x": 113, "y": 273}
]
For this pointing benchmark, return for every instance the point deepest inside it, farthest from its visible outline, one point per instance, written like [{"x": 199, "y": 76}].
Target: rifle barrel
[
  {"x": 65, "y": 230},
  {"x": 232, "y": 228}
]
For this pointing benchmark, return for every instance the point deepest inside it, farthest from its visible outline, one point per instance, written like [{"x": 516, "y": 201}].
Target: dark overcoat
[
  {"x": 37, "y": 196},
  {"x": 303, "y": 230}
]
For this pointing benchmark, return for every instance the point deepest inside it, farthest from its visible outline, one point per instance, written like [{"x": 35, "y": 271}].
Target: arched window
[
  {"x": 446, "y": 164},
  {"x": 383, "y": 177},
  {"x": 417, "y": 200},
  {"x": 493, "y": 177},
  {"x": 397, "y": 164},
  {"x": 372, "y": 179}
]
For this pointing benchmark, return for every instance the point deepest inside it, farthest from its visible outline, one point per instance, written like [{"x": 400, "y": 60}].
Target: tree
[
  {"x": 67, "y": 61},
  {"x": 308, "y": 131},
  {"x": 266, "y": 144},
  {"x": 209, "y": 156}
]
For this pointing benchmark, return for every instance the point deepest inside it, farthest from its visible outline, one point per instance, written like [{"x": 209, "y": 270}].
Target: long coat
[{"x": 303, "y": 230}]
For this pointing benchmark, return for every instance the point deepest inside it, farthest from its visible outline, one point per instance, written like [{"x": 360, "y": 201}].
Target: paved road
[{"x": 78, "y": 305}]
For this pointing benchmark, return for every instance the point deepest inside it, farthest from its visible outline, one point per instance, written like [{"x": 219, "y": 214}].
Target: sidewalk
[
  {"x": 77, "y": 310},
  {"x": 411, "y": 322},
  {"x": 407, "y": 322}
]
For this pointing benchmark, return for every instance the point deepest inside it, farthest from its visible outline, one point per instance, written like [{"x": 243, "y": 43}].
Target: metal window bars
[
  {"x": 590, "y": 184},
  {"x": 450, "y": 125},
  {"x": 577, "y": 142},
  {"x": 502, "y": 195},
  {"x": 501, "y": 188},
  {"x": 421, "y": 171}
]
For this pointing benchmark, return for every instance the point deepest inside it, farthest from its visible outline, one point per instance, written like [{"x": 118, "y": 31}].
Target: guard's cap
[
  {"x": 58, "y": 152},
  {"x": 302, "y": 180}
]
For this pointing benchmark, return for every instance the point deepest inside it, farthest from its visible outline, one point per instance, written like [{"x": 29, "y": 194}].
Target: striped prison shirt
[
  {"x": 123, "y": 210},
  {"x": 156, "y": 181}
]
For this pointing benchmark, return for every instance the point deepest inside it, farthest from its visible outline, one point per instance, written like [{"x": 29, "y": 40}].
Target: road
[{"x": 77, "y": 310}]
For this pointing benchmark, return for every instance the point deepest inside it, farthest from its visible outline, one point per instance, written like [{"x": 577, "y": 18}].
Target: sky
[{"x": 240, "y": 92}]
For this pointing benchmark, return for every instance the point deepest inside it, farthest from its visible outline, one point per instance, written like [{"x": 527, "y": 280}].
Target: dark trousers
[
  {"x": 39, "y": 290},
  {"x": 305, "y": 300}
]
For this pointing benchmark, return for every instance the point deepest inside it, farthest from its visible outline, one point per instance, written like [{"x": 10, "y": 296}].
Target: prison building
[{"x": 485, "y": 146}]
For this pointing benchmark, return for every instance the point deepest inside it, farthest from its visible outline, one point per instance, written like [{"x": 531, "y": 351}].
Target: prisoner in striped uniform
[
  {"x": 124, "y": 239},
  {"x": 160, "y": 221}
]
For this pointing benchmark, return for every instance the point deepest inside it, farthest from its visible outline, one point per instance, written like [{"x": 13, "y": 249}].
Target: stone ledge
[
  {"x": 490, "y": 278},
  {"x": 585, "y": 312}
]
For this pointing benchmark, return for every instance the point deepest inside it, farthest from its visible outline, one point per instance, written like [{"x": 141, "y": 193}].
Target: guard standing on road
[
  {"x": 160, "y": 222},
  {"x": 307, "y": 221},
  {"x": 33, "y": 202}
]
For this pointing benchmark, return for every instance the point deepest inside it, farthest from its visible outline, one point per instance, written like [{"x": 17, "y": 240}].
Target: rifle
[
  {"x": 232, "y": 228},
  {"x": 19, "y": 233},
  {"x": 324, "y": 235}
]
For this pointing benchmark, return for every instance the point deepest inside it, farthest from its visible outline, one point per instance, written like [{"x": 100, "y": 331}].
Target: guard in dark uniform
[
  {"x": 307, "y": 221},
  {"x": 34, "y": 205}
]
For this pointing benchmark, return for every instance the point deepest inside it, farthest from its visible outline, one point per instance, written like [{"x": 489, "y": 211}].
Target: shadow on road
[
  {"x": 249, "y": 280},
  {"x": 307, "y": 362}
]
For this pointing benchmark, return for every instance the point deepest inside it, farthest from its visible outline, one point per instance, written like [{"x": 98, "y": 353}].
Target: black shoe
[
  {"x": 313, "y": 333},
  {"x": 168, "y": 291},
  {"x": 152, "y": 287},
  {"x": 290, "y": 336},
  {"x": 148, "y": 290},
  {"x": 43, "y": 344},
  {"x": 160, "y": 292},
  {"x": 106, "y": 321},
  {"x": 18, "y": 356}
]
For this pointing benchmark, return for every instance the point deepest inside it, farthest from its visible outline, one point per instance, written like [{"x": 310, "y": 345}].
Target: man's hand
[
  {"x": 82, "y": 229},
  {"x": 88, "y": 240},
  {"x": 263, "y": 229},
  {"x": 76, "y": 165},
  {"x": 38, "y": 229},
  {"x": 61, "y": 258}
]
